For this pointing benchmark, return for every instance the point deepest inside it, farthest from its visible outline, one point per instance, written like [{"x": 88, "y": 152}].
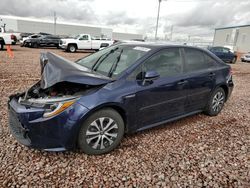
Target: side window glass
[
  {"x": 166, "y": 62},
  {"x": 225, "y": 50},
  {"x": 84, "y": 37},
  {"x": 196, "y": 60},
  {"x": 209, "y": 61}
]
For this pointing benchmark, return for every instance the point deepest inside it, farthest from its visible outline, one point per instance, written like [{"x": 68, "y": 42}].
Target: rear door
[
  {"x": 201, "y": 71},
  {"x": 165, "y": 97}
]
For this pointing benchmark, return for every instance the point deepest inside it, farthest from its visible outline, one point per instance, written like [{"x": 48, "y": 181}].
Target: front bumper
[
  {"x": 63, "y": 46},
  {"x": 57, "y": 133}
]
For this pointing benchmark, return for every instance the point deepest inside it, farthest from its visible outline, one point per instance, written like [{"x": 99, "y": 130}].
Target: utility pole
[
  {"x": 171, "y": 32},
  {"x": 55, "y": 22},
  {"x": 157, "y": 21}
]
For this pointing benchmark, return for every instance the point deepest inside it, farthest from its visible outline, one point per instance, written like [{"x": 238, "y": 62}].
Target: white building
[
  {"x": 238, "y": 38},
  {"x": 26, "y": 25}
]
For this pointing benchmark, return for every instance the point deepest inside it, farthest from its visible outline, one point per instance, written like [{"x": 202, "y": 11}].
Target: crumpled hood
[{"x": 55, "y": 69}]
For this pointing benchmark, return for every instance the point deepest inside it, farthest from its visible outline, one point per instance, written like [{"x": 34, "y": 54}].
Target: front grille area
[{"x": 17, "y": 130}]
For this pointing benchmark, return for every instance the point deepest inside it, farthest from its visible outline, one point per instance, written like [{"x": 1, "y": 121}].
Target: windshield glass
[
  {"x": 76, "y": 37},
  {"x": 114, "y": 60}
]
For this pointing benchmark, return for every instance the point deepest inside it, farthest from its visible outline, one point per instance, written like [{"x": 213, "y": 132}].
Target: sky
[{"x": 193, "y": 19}]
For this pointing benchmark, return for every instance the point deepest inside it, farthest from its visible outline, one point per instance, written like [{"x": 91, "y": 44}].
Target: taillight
[{"x": 12, "y": 37}]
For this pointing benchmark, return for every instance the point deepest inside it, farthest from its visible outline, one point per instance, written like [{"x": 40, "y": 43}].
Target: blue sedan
[
  {"x": 91, "y": 103},
  {"x": 224, "y": 54}
]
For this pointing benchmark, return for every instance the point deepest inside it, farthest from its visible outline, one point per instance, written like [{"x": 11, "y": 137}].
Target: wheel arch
[
  {"x": 104, "y": 44},
  {"x": 75, "y": 44},
  {"x": 224, "y": 87},
  {"x": 115, "y": 106},
  {"x": 2, "y": 41}
]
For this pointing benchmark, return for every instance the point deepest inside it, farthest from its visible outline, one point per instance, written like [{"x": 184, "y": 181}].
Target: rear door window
[{"x": 197, "y": 60}]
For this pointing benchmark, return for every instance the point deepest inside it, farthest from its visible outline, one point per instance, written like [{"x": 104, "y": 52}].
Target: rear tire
[
  {"x": 1, "y": 46},
  {"x": 101, "y": 132},
  {"x": 216, "y": 102}
]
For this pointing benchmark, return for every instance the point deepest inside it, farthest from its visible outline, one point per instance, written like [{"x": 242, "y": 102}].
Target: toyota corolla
[{"x": 91, "y": 103}]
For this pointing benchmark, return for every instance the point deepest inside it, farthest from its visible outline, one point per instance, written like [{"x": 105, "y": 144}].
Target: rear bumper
[
  {"x": 58, "y": 133},
  {"x": 230, "y": 86}
]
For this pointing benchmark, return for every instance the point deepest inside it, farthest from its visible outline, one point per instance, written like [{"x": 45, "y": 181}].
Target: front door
[
  {"x": 165, "y": 97},
  {"x": 84, "y": 42}
]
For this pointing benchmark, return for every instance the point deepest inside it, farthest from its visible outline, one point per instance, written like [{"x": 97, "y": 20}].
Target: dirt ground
[{"x": 198, "y": 151}]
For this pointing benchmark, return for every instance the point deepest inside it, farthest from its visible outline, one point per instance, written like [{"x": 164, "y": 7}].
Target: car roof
[{"x": 154, "y": 45}]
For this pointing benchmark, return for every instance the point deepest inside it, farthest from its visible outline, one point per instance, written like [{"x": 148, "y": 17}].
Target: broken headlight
[{"x": 57, "y": 108}]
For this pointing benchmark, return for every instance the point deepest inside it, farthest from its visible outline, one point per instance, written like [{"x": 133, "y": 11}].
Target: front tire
[
  {"x": 234, "y": 60},
  {"x": 35, "y": 45},
  {"x": 1, "y": 46},
  {"x": 101, "y": 132},
  {"x": 72, "y": 48},
  {"x": 216, "y": 102}
]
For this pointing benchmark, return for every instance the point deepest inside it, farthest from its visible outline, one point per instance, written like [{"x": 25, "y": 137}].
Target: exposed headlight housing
[{"x": 57, "y": 108}]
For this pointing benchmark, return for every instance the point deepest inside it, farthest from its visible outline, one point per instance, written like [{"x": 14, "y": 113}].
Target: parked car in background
[
  {"x": 25, "y": 36},
  {"x": 124, "y": 88},
  {"x": 224, "y": 53},
  {"x": 43, "y": 41},
  {"x": 245, "y": 57},
  {"x": 83, "y": 42},
  {"x": 23, "y": 39}
]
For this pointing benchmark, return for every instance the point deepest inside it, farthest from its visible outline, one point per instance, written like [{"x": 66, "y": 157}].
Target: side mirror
[{"x": 150, "y": 76}]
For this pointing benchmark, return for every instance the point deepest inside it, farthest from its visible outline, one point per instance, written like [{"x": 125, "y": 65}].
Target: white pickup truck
[
  {"x": 84, "y": 42},
  {"x": 5, "y": 38}
]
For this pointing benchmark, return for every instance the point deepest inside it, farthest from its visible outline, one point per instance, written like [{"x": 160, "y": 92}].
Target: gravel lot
[{"x": 197, "y": 151}]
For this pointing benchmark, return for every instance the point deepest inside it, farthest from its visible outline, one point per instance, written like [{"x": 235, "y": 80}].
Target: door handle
[{"x": 182, "y": 82}]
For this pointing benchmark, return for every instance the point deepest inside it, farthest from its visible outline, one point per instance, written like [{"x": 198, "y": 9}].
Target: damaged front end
[{"x": 47, "y": 115}]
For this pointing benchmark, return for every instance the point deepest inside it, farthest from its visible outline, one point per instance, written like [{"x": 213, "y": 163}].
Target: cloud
[
  {"x": 189, "y": 17},
  {"x": 66, "y": 9},
  {"x": 115, "y": 18},
  {"x": 215, "y": 14}
]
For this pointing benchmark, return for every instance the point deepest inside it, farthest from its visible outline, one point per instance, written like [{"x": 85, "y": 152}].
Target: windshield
[
  {"x": 114, "y": 60},
  {"x": 76, "y": 37}
]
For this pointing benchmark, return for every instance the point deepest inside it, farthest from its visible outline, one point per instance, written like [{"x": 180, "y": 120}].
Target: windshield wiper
[
  {"x": 114, "y": 66},
  {"x": 97, "y": 63}
]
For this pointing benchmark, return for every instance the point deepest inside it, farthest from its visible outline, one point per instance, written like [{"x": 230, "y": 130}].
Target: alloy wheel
[
  {"x": 101, "y": 133},
  {"x": 218, "y": 101},
  {"x": 72, "y": 49}
]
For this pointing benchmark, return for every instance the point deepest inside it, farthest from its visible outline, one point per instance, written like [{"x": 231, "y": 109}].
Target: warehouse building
[
  {"x": 237, "y": 38},
  {"x": 25, "y": 25}
]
